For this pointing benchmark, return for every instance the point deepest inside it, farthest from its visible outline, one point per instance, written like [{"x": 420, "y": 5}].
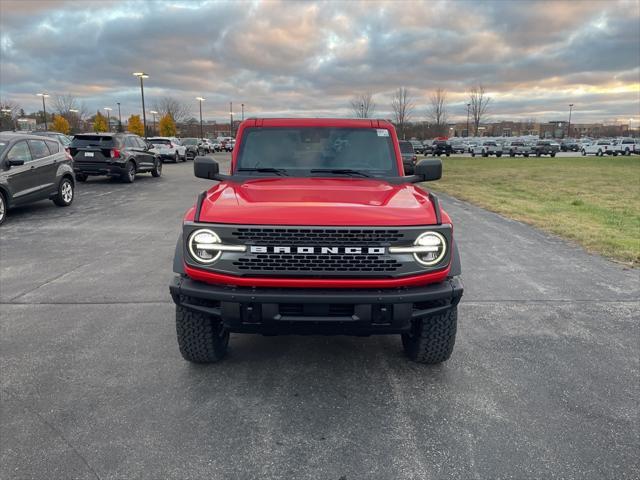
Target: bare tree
[
  {"x": 9, "y": 112},
  {"x": 68, "y": 106},
  {"x": 479, "y": 102},
  {"x": 178, "y": 110},
  {"x": 437, "y": 110},
  {"x": 362, "y": 105},
  {"x": 402, "y": 105}
]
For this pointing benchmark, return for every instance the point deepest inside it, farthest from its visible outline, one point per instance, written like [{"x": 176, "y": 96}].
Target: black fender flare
[
  {"x": 456, "y": 265},
  {"x": 178, "y": 257}
]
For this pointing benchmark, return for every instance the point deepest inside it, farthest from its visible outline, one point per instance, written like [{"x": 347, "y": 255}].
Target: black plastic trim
[
  {"x": 201, "y": 197},
  {"x": 436, "y": 208}
]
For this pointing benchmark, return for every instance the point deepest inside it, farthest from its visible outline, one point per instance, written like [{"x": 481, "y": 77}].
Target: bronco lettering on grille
[{"x": 320, "y": 250}]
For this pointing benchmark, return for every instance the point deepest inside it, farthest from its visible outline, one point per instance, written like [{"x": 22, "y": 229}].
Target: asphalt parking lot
[{"x": 543, "y": 382}]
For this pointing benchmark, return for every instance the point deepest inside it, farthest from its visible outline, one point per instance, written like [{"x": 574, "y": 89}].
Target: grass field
[{"x": 593, "y": 201}]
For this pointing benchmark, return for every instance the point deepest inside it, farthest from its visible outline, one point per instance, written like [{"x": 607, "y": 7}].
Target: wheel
[
  {"x": 431, "y": 339},
  {"x": 184, "y": 158},
  {"x": 473, "y": 154},
  {"x": 499, "y": 154},
  {"x": 627, "y": 152},
  {"x": 81, "y": 177},
  {"x": 448, "y": 154},
  {"x": 176, "y": 159},
  {"x": 201, "y": 338},
  {"x": 553, "y": 154},
  {"x": 584, "y": 152},
  {"x": 3, "y": 208},
  {"x": 157, "y": 169},
  {"x": 129, "y": 175},
  {"x": 525, "y": 155},
  {"x": 511, "y": 154},
  {"x": 485, "y": 154},
  {"x": 599, "y": 153},
  {"x": 538, "y": 154},
  {"x": 64, "y": 198}
]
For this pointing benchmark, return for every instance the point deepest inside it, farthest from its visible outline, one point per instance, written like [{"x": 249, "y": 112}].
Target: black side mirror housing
[
  {"x": 207, "y": 167},
  {"x": 428, "y": 170},
  {"x": 15, "y": 163}
]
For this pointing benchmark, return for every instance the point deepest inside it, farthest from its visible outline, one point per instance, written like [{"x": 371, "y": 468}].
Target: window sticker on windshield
[{"x": 382, "y": 132}]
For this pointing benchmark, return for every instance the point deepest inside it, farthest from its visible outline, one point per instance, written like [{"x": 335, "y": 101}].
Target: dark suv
[
  {"x": 441, "y": 147},
  {"x": 545, "y": 147},
  {"x": 113, "y": 154},
  {"x": 409, "y": 157},
  {"x": 33, "y": 168}
]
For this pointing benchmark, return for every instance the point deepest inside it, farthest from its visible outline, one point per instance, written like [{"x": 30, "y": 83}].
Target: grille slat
[{"x": 313, "y": 236}]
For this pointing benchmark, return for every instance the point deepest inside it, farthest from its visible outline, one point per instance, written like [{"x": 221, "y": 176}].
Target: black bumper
[
  {"x": 99, "y": 168},
  {"x": 316, "y": 311}
]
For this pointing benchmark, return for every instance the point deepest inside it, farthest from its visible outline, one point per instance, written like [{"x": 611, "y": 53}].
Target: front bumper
[{"x": 274, "y": 311}]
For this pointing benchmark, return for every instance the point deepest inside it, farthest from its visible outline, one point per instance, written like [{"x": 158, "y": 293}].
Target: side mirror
[
  {"x": 207, "y": 167},
  {"x": 428, "y": 170},
  {"x": 15, "y": 163}
]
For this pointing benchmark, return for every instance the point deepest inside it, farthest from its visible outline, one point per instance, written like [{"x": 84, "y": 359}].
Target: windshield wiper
[
  {"x": 278, "y": 171},
  {"x": 340, "y": 171}
]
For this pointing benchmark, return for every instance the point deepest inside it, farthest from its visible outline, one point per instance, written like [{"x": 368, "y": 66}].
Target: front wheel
[
  {"x": 201, "y": 337},
  {"x": 157, "y": 169},
  {"x": 553, "y": 154},
  {"x": 525, "y": 155},
  {"x": 431, "y": 339},
  {"x": 64, "y": 197},
  {"x": 473, "y": 154},
  {"x": 584, "y": 153},
  {"x": 498, "y": 154}
]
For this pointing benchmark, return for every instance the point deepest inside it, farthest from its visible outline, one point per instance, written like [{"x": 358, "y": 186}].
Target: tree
[
  {"x": 402, "y": 105},
  {"x": 135, "y": 125},
  {"x": 362, "y": 105},
  {"x": 175, "y": 108},
  {"x": 167, "y": 126},
  {"x": 61, "y": 125},
  {"x": 437, "y": 111},
  {"x": 7, "y": 119},
  {"x": 100, "y": 123},
  {"x": 479, "y": 102}
]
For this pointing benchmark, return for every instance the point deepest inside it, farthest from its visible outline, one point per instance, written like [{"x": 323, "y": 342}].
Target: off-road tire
[
  {"x": 129, "y": 175},
  {"x": 157, "y": 169},
  {"x": 498, "y": 155},
  {"x": 66, "y": 193},
  {"x": 81, "y": 177},
  {"x": 473, "y": 154},
  {"x": 201, "y": 338},
  {"x": 584, "y": 153},
  {"x": 431, "y": 339},
  {"x": 553, "y": 154}
]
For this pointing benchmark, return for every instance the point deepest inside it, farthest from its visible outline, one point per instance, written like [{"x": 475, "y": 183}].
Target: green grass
[{"x": 591, "y": 200}]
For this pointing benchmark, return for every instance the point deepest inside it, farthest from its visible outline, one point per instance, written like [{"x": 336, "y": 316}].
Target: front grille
[
  {"x": 279, "y": 262},
  {"x": 315, "y": 236}
]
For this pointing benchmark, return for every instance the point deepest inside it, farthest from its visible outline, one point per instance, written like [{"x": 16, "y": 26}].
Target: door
[
  {"x": 45, "y": 165},
  {"x": 146, "y": 159},
  {"x": 20, "y": 179}
]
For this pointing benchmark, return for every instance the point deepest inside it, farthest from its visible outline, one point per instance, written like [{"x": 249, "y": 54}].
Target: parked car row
[{"x": 46, "y": 165}]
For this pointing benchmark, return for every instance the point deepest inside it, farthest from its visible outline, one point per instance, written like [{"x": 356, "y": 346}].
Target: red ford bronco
[{"x": 316, "y": 231}]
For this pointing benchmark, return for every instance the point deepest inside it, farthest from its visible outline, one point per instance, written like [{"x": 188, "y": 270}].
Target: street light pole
[
  {"x": 44, "y": 109},
  {"x": 108, "y": 109},
  {"x": 468, "y": 107},
  {"x": 119, "y": 118},
  {"x": 200, "y": 100},
  {"x": 75, "y": 111},
  {"x": 153, "y": 112},
  {"x": 569, "y": 127},
  {"x": 142, "y": 75},
  {"x": 242, "y": 105},
  {"x": 231, "y": 118}
]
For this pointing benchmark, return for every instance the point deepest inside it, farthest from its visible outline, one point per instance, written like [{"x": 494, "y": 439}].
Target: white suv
[
  {"x": 600, "y": 148},
  {"x": 165, "y": 148},
  {"x": 626, "y": 146}
]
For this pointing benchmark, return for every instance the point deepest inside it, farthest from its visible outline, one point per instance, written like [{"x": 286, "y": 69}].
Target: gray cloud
[{"x": 310, "y": 58}]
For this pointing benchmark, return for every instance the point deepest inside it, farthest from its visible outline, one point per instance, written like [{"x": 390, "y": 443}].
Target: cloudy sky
[{"x": 285, "y": 58}]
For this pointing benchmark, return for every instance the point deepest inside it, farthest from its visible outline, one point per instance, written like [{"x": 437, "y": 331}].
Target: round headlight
[
  {"x": 200, "y": 243},
  {"x": 435, "y": 247}
]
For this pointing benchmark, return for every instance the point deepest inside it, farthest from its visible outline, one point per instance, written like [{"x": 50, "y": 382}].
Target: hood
[{"x": 317, "y": 201}]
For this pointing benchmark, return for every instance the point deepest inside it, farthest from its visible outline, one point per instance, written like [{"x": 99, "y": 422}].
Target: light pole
[
  {"x": 119, "y": 118},
  {"x": 200, "y": 100},
  {"x": 231, "y": 117},
  {"x": 242, "y": 105},
  {"x": 44, "y": 109},
  {"x": 142, "y": 76},
  {"x": 569, "y": 127},
  {"x": 153, "y": 112},
  {"x": 468, "y": 107},
  {"x": 108, "y": 109}
]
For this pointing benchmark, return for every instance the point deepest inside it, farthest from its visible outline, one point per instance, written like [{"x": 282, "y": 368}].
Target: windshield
[
  {"x": 297, "y": 151},
  {"x": 91, "y": 140},
  {"x": 159, "y": 141}
]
